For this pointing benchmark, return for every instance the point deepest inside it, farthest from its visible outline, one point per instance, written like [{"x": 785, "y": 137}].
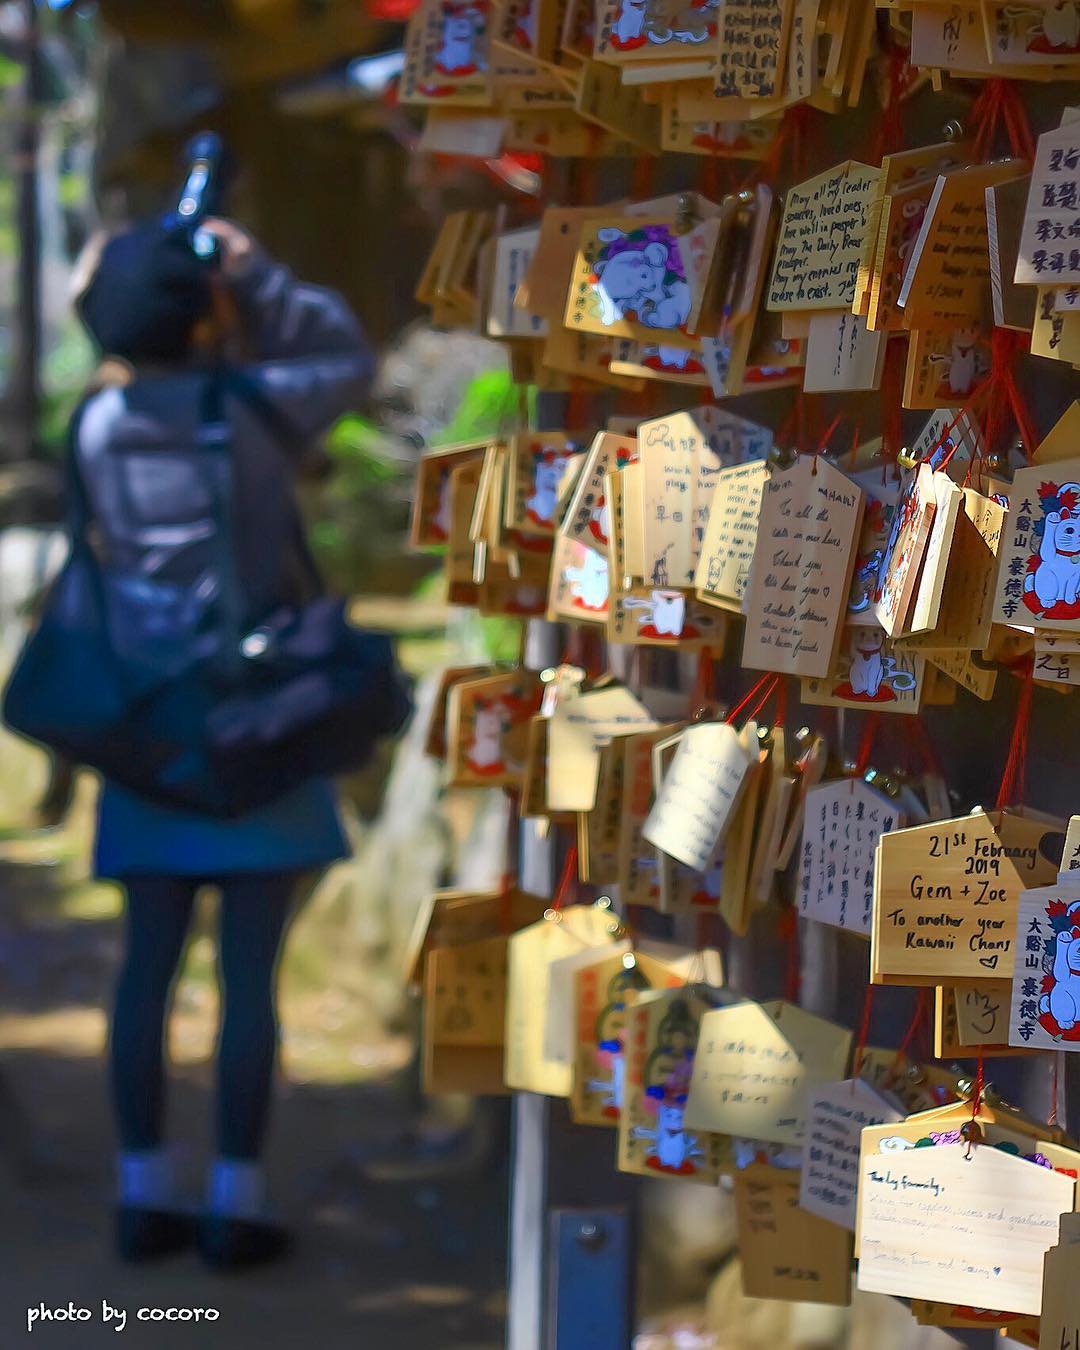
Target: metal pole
[
  {"x": 530, "y": 1121},
  {"x": 24, "y": 390}
]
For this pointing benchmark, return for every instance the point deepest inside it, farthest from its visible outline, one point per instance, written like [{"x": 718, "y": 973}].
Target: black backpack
[{"x": 221, "y": 725}]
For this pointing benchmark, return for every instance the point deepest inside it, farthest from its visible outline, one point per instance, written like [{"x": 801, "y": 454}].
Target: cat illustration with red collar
[
  {"x": 463, "y": 26},
  {"x": 1056, "y": 30},
  {"x": 1052, "y": 585},
  {"x": 549, "y": 465}
]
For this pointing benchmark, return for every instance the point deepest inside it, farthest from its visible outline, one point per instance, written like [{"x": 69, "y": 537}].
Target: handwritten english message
[
  {"x": 837, "y": 1115},
  {"x": 959, "y": 1226},
  {"x": 801, "y": 571},
  {"x": 754, "y": 1064},
  {"x": 821, "y": 239},
  {"x": 947, "y": 895},
  {"x": 681, "y": 473},
  {"x": 697, "y": 798},
  {"x": 948, "y": 275},
  {"x": 727, "y": 550}
]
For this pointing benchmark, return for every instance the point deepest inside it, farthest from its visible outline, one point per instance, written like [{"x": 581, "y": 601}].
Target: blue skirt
[{"x": 297, "y": 832}]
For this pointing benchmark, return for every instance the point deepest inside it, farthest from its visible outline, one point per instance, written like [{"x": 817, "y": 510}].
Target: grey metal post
[{"x": 530, "y": 1118}]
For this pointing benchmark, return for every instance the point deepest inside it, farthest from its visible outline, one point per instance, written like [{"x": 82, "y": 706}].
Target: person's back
[
  {"x": 189, "y": 527},
  {"x": 300, "y": 352}
]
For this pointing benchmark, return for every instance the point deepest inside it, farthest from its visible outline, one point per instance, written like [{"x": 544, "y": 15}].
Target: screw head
[
  {"x": 997, "y": 463},
  {"x": 590, "y": 1234},
  {"x": 782, "y": 457}
]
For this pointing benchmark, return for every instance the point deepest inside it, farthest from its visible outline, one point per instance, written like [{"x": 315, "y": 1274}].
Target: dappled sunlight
[{"x": 62, "y": 1031}]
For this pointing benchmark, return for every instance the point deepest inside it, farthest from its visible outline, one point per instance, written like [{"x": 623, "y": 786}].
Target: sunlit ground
[{"x": 338, "y": 1007}]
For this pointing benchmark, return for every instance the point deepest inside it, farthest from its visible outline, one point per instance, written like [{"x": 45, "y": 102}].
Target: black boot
[
  {"x": 150, "y": 1234},
  {"x": 241, "y": 1244}
]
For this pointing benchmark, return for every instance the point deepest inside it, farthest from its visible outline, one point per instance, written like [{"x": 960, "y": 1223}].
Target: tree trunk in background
[{"x": 24, "y": 391}]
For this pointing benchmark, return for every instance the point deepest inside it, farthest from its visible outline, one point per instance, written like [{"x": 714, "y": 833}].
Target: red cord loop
[
  {"x": 866, "y": 744},
  {"x": 1013, "y": 779},
  {"x": 567, "y": 879}
]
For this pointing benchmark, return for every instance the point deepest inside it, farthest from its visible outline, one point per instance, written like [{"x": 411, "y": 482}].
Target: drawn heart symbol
[{"x": 990, "y": 962}]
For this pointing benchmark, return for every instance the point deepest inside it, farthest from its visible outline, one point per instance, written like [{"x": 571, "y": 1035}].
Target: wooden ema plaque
[
  {"x": 603, "y": 993},
  {"x": 801, "y": 574},
  {"x": 786, "y": 1252},
  {"x": 464, "y": 1014},
  {"x": 662, "y": 1034},
  {"x": 843, "y": 824},
  {"x": 947, "y": 895}
]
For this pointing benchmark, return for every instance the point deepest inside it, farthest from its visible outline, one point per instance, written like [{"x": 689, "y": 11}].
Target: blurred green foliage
[
  {"x": 360, "y": 513},
  {"x": 491, "y": 403},
  {"x": 10, "y": 72},
  {"x": 67, "y": 367}
]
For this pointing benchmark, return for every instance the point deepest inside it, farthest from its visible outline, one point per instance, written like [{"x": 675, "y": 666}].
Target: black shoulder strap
[
  {"x": 78, "y": 502},
  {"x": 241, "y": 385}
]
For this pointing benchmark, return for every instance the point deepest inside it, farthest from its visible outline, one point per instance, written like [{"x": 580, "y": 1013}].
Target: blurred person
[{"x": 164, "y": 318}]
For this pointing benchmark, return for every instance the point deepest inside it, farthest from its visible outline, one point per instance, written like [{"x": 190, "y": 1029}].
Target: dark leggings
[{"x": 254, "y": 911}]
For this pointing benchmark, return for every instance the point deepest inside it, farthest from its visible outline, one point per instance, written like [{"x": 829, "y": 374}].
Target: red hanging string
[
  {"x": 642, "y": 177},
  {"x": 573, "y": 652},
  {"x": 763, "y": 699},
  {"x": 909, "y": 1035},
  {"x": 593, "y": 659},
  {"x": 889, "y": 135},
  {"x": 864, "y": 1032},
  {"x": 985, "y": 113},
  {"x": 703, "y": 682},
  {"x": 1006, "y": 345},
  {"x": 977, "y": 1095},
  {"x": 929, "y": 753},
  {"x": 999, "y": 104},
  {"x": 981, "y": 391},
  {"x": 892, "y": 397},
  {"x": 1021, "y": 140},
  {"x": 856, "y": 441},
  {"x": 788, "y": 932},
  {"x": 754, "y": 691},
  {"x": 715, "y": 174},
  {"x": 577, "y": 406},
  {"x": 567, "y": 878},
  {"x": 826, "y": 436},
  {"x": 781, "y": 703},
  {"x": 804, "y": 120},
  {"x": 1012, "y": 790},
  {"x": 866, "y": 744}
]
